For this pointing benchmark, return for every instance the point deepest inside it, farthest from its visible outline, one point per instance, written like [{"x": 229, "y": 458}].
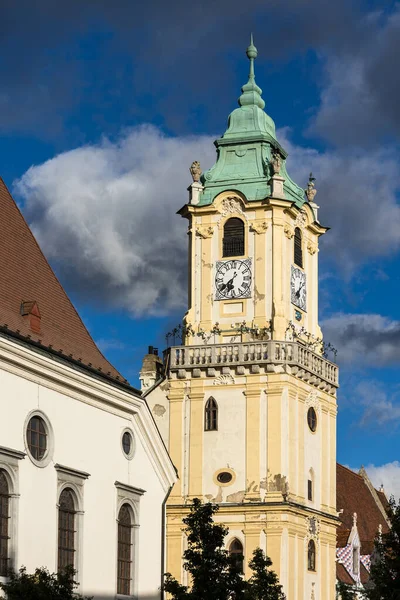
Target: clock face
[
  {"x": 233, "y": 279},
  {"x": 298, "y": 288}
]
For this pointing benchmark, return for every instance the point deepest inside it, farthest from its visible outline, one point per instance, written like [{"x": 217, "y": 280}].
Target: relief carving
[
  {"x": 288, "y": 231},
  {"x": 231, "y": 205},
  {"x": 312, "y": 401},
  {"x": 224, "y": 380},
  {"x": 312, "y": 248},
  {"x": 301, "y": 219},
  {"x": 259, "y": 227},
  {"x": 204, "y": 232}
]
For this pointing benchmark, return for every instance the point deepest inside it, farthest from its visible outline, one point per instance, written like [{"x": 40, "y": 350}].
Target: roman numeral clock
[{"x": 233, "y": 279}]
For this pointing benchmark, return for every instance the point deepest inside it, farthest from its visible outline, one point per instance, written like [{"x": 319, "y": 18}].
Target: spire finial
[{"x": 251, "y": 91}]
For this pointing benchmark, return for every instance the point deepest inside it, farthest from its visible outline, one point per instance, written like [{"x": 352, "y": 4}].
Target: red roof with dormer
[{"x": 33, "y": 303}]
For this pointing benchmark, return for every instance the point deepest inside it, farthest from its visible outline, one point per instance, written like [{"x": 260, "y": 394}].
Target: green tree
[
  {"x": 264, "y": 583},
  {"x": 344, "y": 591},
  {"x": 384, "y": 581},
  {"x": 213, "y": 572},
  {"x": 41, "y": 585}
]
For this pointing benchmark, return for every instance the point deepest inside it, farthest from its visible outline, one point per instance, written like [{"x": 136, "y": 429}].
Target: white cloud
[
  {"x": 364, "y": 339},
  {"x": 106, "y": 214},
  {"x": 388, "y": 475}
]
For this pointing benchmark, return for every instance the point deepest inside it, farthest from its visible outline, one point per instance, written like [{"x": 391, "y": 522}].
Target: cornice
[
  {"x": 41, "y": 368},
  {"x": 11, "y": 453}
]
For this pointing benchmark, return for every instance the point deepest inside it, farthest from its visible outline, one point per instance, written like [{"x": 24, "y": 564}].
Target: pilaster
[
  {"x": 196, "y": 397},
  {"x": 253, "y": 398},
  {"x": 175, "y": 396}
]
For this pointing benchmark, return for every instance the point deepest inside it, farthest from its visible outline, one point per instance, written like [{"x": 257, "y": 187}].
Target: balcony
[{"x": 257, "y": 357}]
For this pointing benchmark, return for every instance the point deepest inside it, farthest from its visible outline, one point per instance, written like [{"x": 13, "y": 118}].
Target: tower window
[
  {"x": 310, "y": 490},
  {"x": 312, "y": 419},
  {"x": 311, "y": 556},
  {"x": 125, "y": 543},
  {"x": 211, "y": 415},
  {"x": 298, "y": 251},
  {"x": 356, "y": 560},
  {"x": 236, "y": 551},
  {"x": 233, "y": 242},
  {"x": 66, "y": 530},
  {"x": 4, "y": 524}
]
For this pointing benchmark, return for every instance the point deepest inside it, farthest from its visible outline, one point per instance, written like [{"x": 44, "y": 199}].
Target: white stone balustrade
[{"x": 303, "y": 361}]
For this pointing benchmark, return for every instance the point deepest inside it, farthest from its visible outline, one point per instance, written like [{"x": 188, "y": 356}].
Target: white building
[{"x": 84, "y": 474}]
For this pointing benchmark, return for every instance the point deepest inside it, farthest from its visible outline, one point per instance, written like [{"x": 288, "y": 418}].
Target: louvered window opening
[
  {"x": 66, "y": 530},
  {"x": 236, "y": 551},
  {"x": 4, "y": 524},
  {"x": 311, "y": 555},
  {"x": 37, "y": 437},
  {"x": 233, "y": 242},
  {"x": 298, "y": 251},
  {"x": 310, "y": 490},
  {"x": 124, "y": 578},
  {"x": 211, "y": 415}
]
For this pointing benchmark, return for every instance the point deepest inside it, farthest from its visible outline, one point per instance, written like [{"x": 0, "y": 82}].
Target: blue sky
[{"x": 103, "y": 106}]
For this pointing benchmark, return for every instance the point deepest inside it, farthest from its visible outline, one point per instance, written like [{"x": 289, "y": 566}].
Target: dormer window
[
  {"x": 233, "y": 241},
  {"x": 298, "y": 250}
]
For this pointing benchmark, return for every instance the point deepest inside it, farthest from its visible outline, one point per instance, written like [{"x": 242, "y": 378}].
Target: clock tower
[{"x": 247, "y": 405}]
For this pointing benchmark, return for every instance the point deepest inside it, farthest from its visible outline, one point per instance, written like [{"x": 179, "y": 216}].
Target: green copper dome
[{"x": 245, "y": 150}]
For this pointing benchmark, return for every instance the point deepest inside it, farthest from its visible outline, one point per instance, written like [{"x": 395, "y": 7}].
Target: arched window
[
  {"x": 4, "y": 523},
  {"x": 236, "y": 551},
  {"x": 125, "y": 543},
  {"x": 311, "y": 555},
  {"x": 298, "y": 251},
  {"x": 233, "y": 242},
  {"x": 66, "y": 529},
  {"x": 211, "y": 415}
]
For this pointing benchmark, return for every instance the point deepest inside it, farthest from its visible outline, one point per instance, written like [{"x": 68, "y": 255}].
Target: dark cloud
[
  {"x": 164, "y": 57},
  {"x": 365, "y": 340}
]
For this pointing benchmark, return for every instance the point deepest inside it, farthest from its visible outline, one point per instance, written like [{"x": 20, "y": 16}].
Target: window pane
[
  {"x": 66, "y": 530},
  {"x": 124, "y": 567},
  {"x": 4, "y": 523}
]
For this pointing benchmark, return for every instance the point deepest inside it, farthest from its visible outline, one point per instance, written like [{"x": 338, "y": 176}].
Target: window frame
[
  {"x": 298, "y": 257},
  {"x": 132, "y": 451},
  {"x": 130, "y": 495},
  {"x": 224, "y": 254},
  {"x": 74, "y": 530},
  {"x": 211, "y": 414},
  {"x": 312, "y": 419},
  {"x": 311, "y": 552},
  {"x": 237, "y": 552},
  {"x": 5, "y": 505},
  {"x": 9, "y": 463},
  {"x": 74, "y": 480},
  {"x": 48, "y": 455}
]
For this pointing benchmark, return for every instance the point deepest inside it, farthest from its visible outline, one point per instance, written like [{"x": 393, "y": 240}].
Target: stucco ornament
[
  {"x": 204, "y": 232},
  {"x": 231, "y": 206},
  {"x": 310, "y": 190},
  {"x": 276, "y": 162},
  {"x": 224, "y": 380},
  {"x": 301, "y": 219},
  {"x": 288, "y": 231},
  {"x": 312, "y": 401},
  {"x": 259, "y": 227},
  {"x": 312, "y": 248},
  {"x": 313, "y": 591},
  {"x": 195, "y": 171},
  {"x": 313, "y": 528}
]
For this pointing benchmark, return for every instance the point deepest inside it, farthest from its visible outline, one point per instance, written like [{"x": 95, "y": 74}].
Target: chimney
[{"x": 152, "y": 369}]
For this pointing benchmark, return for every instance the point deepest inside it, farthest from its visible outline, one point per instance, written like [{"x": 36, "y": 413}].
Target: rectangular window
[{"x": 310, "y": 490}]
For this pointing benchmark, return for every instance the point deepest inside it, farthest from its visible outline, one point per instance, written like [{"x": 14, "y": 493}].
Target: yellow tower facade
[{"x": 247, "y": 406}]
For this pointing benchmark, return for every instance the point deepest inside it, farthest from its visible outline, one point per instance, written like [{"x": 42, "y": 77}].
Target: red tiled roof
[
  {"x": 26, "y": 276},
  {"x": 354, "y": 496},
  {"x": 343, "y": 575},
  {"x": 364, "y": 575}
]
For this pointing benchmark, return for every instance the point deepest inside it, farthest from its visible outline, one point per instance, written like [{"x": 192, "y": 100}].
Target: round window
[
  {"x": 36, "y": 437},
  {"x": 224, "y": 477},
  {"x": 128, "y": 443},
  {"x": 312, "y": 419}
]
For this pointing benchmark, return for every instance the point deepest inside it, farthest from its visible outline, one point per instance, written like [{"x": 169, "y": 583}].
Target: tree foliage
[
  {"x": 345, "y": 591},
  {"x": 41, "y": 585},
  {"x": 384, "y": 581},
  {"x": 213, "y": 572}
]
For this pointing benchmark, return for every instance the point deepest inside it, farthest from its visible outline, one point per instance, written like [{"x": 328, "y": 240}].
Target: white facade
[{"x": 85, "y": 419}]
